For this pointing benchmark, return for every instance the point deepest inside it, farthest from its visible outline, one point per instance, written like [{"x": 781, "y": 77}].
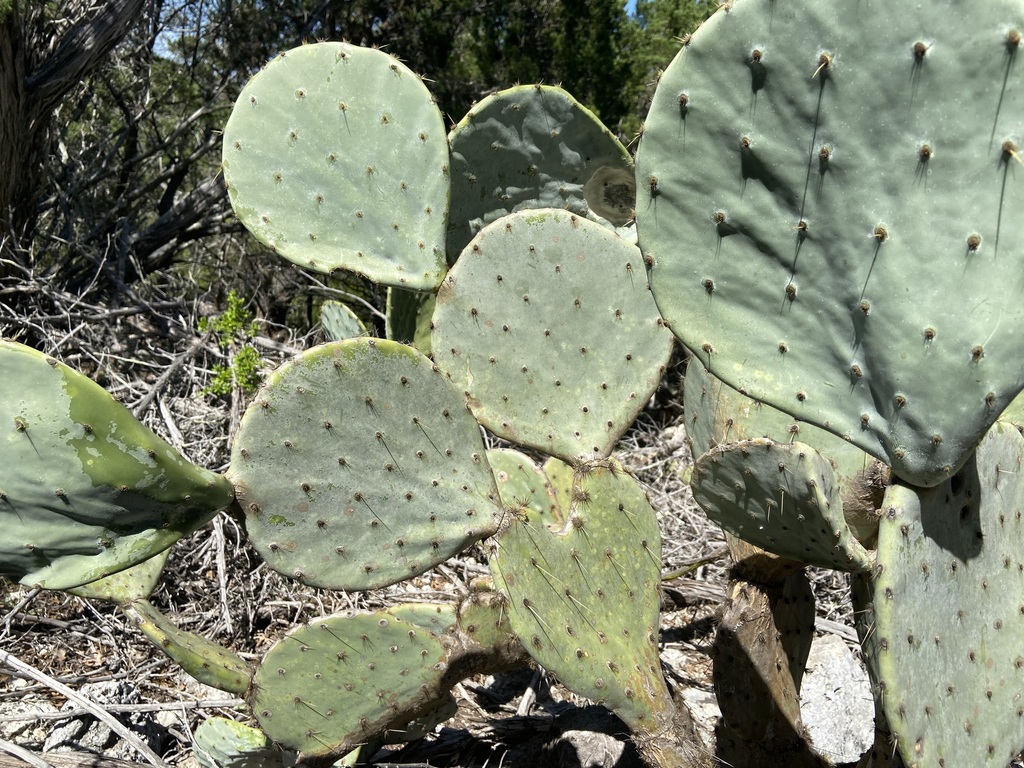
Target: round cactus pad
[
  {"x": 534, "y": 146},
  {"x": 336, "y": 157},
  {"x": 949, "y": 607},
  {"x": 584, "y": 599},
  {"x": 86, "y": 490},
  {"x": 547, "y": 323},
  {"x": 358, "y": 465},
  {"x": 829, "y": 197},
  {"x": 328, "y": 686},
  {"x": 782, "y": 497}
]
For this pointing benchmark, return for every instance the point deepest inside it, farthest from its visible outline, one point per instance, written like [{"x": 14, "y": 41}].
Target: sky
[{"x": 631, "y": 7}]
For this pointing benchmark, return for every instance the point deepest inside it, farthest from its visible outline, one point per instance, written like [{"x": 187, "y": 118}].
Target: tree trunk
[{"x": 42, "y": 58}]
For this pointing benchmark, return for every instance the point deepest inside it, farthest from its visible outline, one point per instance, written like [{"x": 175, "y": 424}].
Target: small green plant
[{"x": 233, "y": 329}]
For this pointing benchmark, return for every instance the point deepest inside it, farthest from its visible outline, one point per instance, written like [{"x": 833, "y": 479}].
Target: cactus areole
[{"x": 829, "y": 200}]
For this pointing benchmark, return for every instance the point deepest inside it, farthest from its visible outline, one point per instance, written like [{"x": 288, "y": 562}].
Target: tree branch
[{"x": 80, "y": 51}]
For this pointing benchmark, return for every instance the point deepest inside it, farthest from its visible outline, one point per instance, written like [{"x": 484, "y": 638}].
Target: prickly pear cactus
[
  {"x": 86, "y": 490},
  {"x": 222, "y": 743},
  {"x": 529, "y": 147},
  {"x": 584, "y": 598},
  {"x": 335, "y": 683},
  {"x": 782, "y": 497},
  {"x": 206, "y": 661},
  {"x": 522, "y": 484},
  {"x": 340, "y": 322},
  {"x": 547, "y": 323},
  {"x": 331, "y": 684},
  {"x": 824, "y": 237},
  {"x": 358, "y": 465},
  {"x": 336, "y": 157},
  {"x": 135, "y": 583},
  {"x": 949, "y": 610}
]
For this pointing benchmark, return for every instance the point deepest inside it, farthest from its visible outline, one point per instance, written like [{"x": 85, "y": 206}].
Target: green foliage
[{"x": 233, "y": 328}]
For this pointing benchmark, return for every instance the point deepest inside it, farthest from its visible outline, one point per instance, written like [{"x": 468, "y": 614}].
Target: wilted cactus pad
[
  {"x": 547, "y": 323},
  {"x": 86, "y": 490},
  {"x": 830, "y": 193},
  {"x": 336, "y": 156},
  {"x": 949, "y": 607},
  {"x": 358, "y": 465}
]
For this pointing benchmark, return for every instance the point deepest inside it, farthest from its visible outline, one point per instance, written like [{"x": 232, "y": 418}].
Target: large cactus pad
[
  {"x": 830, "y": 196},
  {"x": 534, "y": 146},
  {"x": 358, "y": 465},
  {"x": 336, "y": 157}
]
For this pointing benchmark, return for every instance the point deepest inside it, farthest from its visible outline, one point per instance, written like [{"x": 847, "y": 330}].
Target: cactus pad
[
  {"x": 782, "y": 497},
  {"x": 949, "y": 607},
  {"x": 86, "y": 490},
  {"x": 328, "y": 686},
  {"x": 336, "y": 157},
  {"x": 222, "y": 743},
  {"x": 206, "y": 661},
  {"x": 584, "y": 599},
  {"x": 534, "y": 146},
  {"x": 135, "y": 583},
  {"x": 522, "y": 484},
  {"x": 358, "y": 465},
  {"x": 827, "y": 237},
  {"x": 340, "y": 322},
  {"x": 547, "y": 323}
]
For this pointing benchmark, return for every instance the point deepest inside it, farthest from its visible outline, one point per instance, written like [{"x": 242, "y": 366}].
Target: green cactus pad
[
  {"x": 829, "y": 197},
  {"x": 522, "y": 484},
  {"x": 203, "y": 659},
  {"x": 340, "y": 322},
  {"x": 782, "y": 497},
  {"x": 534, "y": 146},
  {"x": 949, "y": 607},
  {"x": 547, "y": 323},
  {"x": 717, "y": 414},
  {"x": 135, "y": 583},
  {"x": 86, "y": 490},
  {"x": 336, "y": 157},
  {"x": 584, "y": 599},
  {"x": 328, "y": 686},
  {"x": 358, "y": 465},
  {"x": 218, "y": 742},
  {"x": 560, "y": 479}
]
